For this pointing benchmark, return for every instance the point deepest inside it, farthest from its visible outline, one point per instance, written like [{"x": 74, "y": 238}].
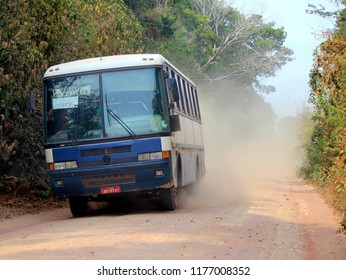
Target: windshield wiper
[{"x": 110, "y": 112}]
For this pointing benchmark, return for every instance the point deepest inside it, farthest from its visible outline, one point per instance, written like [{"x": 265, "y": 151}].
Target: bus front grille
[
  {"x": 106, "y": 151},
  {"x": 109, "y": 180},
  {"x": 100, "y": 162}
]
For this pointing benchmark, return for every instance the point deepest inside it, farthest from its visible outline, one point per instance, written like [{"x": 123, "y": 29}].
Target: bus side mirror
[
  {"x": 174, "y": 122},
  {"x": 173, "y": 89},
  {"x": 31, "y": 102}
]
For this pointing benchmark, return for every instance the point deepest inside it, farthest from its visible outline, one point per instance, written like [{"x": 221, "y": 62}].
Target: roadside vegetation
[{"x": 325, "y": 147}]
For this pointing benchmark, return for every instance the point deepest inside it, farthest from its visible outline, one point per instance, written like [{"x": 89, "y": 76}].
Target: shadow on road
[{"x": 124, "y": 206}]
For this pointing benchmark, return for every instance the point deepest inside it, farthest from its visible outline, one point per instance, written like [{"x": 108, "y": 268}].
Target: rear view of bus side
[{"x": 121, "y": 125}]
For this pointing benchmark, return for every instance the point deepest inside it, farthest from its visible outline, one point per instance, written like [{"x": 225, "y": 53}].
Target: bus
[{"x": 121, "y": 125}]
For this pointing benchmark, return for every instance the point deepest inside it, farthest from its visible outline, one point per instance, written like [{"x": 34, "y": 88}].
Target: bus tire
[
  {"x": 169, "y": 198},
  {"x": 78, "y": 206}
]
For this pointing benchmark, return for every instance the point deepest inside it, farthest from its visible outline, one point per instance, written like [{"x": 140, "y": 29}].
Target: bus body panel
[{"x": 189, "y": 145}]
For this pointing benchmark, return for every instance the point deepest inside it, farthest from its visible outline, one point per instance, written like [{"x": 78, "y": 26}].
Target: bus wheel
[
  {"x": 169, "y": 198},
  {"x": 78, "y": 206}
]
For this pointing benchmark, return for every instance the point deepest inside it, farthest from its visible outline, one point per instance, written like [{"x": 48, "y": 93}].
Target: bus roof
[{"x": 108, "y": 63}]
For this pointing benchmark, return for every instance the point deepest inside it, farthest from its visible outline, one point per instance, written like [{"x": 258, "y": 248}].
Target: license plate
[{"x": 110, "y": 190}]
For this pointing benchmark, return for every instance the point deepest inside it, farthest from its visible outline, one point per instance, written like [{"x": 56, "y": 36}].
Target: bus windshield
[{"x": 115, "y": 104}]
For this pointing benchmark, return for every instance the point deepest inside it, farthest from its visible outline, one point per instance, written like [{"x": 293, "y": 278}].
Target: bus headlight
[
  {"x": 65, "y": 165},
  {"x": 153, "y": 156}
]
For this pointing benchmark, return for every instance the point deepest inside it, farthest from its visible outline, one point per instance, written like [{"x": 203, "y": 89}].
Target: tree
[
  {"x": 215, "y": 38},
  {"x": 245, "y": 47}
]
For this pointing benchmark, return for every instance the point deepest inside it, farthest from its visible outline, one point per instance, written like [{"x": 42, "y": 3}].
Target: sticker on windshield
[{"x": 65, "y": 102}]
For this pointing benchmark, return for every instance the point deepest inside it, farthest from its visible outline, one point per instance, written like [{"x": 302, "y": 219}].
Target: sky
[{"x": 291, "y": 82}]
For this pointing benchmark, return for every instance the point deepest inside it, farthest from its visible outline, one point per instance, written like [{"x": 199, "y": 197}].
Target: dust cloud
[{"x": 244, "y": 144}]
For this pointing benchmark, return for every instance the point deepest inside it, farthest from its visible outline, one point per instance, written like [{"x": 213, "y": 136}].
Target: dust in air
[{"x": 245, "y": 144}]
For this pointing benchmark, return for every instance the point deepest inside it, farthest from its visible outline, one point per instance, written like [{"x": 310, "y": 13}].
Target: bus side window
[
  {"x": 193, "y": 110},
  {"x": 194, "y": 102},
  {"x": 197, "y": 104},
  {"x": 180, "y": 95},
  {"x": 188, "y": 98},
  {"x": 183, "y": 101},
  {"x": 188, "y": 110},
  {"x": 173, "y": 75}
]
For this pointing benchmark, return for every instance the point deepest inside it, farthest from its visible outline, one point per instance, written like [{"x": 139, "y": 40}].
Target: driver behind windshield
[{"x": 57, "y": 122}]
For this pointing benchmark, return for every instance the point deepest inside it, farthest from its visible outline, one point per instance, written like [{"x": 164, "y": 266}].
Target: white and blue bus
[{"x": 121, "y": 125}]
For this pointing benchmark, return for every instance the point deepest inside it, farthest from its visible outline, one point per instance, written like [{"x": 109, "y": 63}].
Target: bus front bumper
[{"x": 106, "y": 180}]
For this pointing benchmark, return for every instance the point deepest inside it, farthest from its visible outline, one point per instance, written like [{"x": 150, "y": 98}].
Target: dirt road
[{"x": 277, "y": 218}]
